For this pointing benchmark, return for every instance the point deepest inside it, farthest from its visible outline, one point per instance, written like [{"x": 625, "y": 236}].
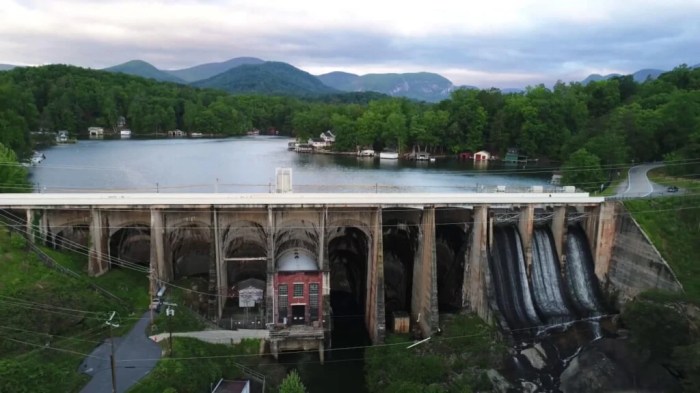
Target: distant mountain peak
[
  {"x": 271, "y": 77},
  {"x": 208, "y": 70},
  {"x": 145, "y": 70}
]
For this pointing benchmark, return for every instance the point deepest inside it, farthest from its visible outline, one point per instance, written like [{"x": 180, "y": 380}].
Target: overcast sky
[{"x": 502, "y": 43}]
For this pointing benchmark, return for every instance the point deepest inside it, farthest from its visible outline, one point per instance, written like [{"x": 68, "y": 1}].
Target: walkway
[
  {"x": 135, "y": 345},
  {"x": 218, "y": 336}
]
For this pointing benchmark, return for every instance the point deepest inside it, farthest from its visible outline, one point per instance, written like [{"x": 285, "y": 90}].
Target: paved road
[
  {"x": 135, "y": 345},
  {"x": 638, "y": 184},
  {"x": 218, "y": 336}
]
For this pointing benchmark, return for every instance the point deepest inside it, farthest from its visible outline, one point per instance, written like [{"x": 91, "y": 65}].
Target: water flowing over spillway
[
  {"x": 510, "y": 276},
  {"x": 547, "y": 285},
  {"x": 580, "y": 276}
]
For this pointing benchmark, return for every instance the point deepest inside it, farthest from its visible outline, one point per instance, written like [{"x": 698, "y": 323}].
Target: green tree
[
  {"x": 292, "y": 384},
  {"x": 13, "y": 177},
  {"x": 583, "y": 170}
]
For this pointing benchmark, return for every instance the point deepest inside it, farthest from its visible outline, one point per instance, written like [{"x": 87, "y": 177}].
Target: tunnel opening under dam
[
  {"x": 130, "y": 245},
  {"x": 450, "y": 254},
  {"x": 400, "y": 241},
  {"x": 348, "y": 253},
  {"x": 245, "y": 270},
  {"x": 191, "y": 251},
  {"x": 71, "y": 238}
]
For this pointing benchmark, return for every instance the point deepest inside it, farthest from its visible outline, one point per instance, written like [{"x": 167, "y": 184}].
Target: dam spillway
[{"x": 544, "y": 293}]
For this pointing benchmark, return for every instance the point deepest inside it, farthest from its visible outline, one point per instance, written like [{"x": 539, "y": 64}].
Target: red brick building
[{"x": 298, "y": 290}]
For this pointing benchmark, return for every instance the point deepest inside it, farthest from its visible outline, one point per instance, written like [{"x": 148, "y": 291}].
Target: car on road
[{"x": 672, "y": 189}]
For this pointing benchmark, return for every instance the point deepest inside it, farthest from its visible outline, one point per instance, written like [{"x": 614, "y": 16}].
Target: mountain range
[
  {"x": 253, "y": 75},
  {"x": 206, "y": 71},
  {"x": 269, "y": 77}
]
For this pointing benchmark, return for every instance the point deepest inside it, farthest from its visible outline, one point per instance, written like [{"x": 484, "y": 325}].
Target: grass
[
  {"x": 44, "y": 327},
  {"x": 452, "y": 362},
  {"x": 685, "y": 184},
  {"x": 611, "y": 189},
  {"x": 184, "y": 320},
  {"x": 197, "y": 365}
]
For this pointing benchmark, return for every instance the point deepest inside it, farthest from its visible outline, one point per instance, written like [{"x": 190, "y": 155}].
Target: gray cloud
[{"x": 525, "y": 47}]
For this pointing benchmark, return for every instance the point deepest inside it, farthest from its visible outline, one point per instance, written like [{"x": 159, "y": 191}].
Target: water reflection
[{"x": 247, "y": 164}]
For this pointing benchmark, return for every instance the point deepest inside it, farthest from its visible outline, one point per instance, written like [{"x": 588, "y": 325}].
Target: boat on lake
[
  {"x": 389, "y": 155},
  {"x": 125, "y": 133},
  {"x": 366, "y": 153},
  {"x": 423, "y": 156}
]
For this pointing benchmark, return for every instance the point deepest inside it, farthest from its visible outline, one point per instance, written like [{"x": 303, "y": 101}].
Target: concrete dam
[{"x": 299, "y": 260}]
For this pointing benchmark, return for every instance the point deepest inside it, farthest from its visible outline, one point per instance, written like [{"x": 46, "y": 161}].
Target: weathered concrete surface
[
  {"x": 525, "y": 227},
  {"x": 424, "y": 301},
  {"x": 635, "y": 264},
  {"x": 374, "y": 312},
  {"x": 605, "y": 238},
  {"x": 476, "y": 275},
  {"x": 99, "y": 244},
  {"x": 558, "y": 226}
]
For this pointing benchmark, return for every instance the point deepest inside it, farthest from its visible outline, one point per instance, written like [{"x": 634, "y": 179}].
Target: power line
[
  {"x": 49, "y": 334},
  {"x": 50, "y": 348}
]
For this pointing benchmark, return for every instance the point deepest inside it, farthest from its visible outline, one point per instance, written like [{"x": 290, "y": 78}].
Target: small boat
[
  {"x": 292, "y": 145},
  {"x": 37, "y": 158},
  {"x": 125, "y": 133},
  {"x": 196, "y": 135},
  {"x": 389, "y": 155},
  {"x": 422, "y": 156},
  {"x": 366, "y": 153},
  {"x": 304, "y": 148}
]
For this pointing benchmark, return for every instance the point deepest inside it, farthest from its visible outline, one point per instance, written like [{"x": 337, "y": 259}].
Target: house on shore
[
  {"x": 482, "y": 155},
  {"x": 96, "y": 132}
]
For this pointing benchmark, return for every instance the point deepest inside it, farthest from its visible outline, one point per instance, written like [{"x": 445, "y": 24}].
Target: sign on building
[{"x": 248, "y": 296}]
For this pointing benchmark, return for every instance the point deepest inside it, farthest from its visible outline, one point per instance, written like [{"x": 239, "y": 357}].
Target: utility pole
[
  {"x": 112, "y": 324},
  {"x": 170, "y": 312}
]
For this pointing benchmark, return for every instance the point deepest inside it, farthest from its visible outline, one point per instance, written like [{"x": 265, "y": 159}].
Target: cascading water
[
  {"x": 524, "y": 284},
  {"x": 541, "y": 355},
  {"x": 512, "y": 288},
  {"x": 547, "y": 283},
  {"x": 583, "y": 284}
]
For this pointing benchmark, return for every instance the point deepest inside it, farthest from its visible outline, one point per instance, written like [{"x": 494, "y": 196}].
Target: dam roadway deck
[{"x": 164, "y": 200}]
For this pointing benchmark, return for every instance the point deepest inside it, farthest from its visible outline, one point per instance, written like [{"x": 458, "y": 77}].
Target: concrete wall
[
  {"x": 635, "y": 264},
  {"x": 476, "y": 270},
  {"x": 424, "y": 300},
  {"x": 626, "y": 262}
]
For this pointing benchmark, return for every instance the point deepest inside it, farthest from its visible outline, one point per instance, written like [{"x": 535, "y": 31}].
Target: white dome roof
[{"x": 296, "y": 260}]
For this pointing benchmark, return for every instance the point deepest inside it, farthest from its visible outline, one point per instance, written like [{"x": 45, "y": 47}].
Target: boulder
[{"x": 499, "y": 382}]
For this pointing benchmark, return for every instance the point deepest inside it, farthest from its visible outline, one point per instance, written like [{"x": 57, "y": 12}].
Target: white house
[
  {"x": 328, "y": 137},
  {"x": 318, "y": 143},
  {"x": 62, "y": 136},
  {"x": 96, "y": 131}
]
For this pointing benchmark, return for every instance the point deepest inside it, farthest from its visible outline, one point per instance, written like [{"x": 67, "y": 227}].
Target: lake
[{"x": 247, "y": 164}]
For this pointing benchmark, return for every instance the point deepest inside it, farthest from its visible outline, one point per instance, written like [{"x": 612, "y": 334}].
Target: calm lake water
[{"x": 247, "y": 164}]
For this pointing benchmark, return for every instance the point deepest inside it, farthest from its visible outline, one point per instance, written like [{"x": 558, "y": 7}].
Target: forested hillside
[{"x": 616, "y": 121}]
